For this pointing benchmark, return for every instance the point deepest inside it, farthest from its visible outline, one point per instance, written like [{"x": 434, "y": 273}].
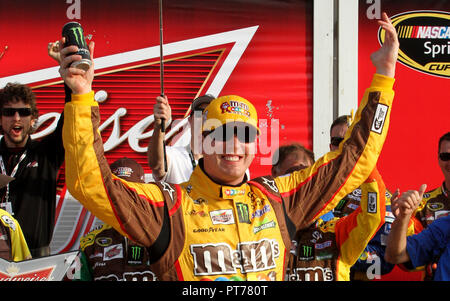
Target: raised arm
[
  {"x": 136, "y": 210},
  {"x": 155, "y": 152},
  {"x": 314, "y": 191}
]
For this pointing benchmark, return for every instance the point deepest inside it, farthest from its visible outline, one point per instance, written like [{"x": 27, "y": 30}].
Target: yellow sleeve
[
  {"x": 120, "y": 204},
  {"x": 354, "y": 231},
  {"x": 312, "y": 192}
]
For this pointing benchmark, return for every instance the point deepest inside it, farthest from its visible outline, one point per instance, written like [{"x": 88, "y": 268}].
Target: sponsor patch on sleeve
[{"x": 380, "y": 118}]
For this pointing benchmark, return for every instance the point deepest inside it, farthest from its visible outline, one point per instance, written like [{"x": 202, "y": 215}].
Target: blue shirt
[{"x": 428, "y": 245}]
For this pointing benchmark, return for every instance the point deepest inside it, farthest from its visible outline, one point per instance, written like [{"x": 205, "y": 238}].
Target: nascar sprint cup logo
[{"x": 424, "y": 38}]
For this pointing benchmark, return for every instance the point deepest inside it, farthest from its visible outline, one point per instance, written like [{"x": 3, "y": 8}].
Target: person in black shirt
[{"x": 31, "y": 197}]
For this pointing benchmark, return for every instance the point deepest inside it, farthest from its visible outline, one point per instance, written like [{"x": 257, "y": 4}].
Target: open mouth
[{"x": 17, "y": 130}]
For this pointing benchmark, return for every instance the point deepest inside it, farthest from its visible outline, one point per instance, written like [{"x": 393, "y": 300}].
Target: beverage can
[{"x": 73, "y": 32}]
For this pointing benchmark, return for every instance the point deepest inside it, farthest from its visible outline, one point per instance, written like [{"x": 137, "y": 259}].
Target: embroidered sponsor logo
[
  {"x": 261, "y": 212},
  {"x": 208, "y": 230},
  {"x": 135, "y": 255},
  {"x": 235, "y": 107},
  {"x": 271, "y": 184},
  {"x": 435, "y": 206},
  {"x": 265, "y": 224},
  {"x": 243, "y": 213},
  {"x": 113, "y": 252},
  {"x": 222, "y": 217},
  {"x": 169, "y": 189},
  {"x": 312, "y": 274},
  {"x": 379, "y": 118},
  {"x": 306, "y": 252},
  {"x": 103, "y": 241},
  {"x": 234, "y": 192},
  {"x": 352, "y": 206},
  {"x": 372, "y": 202},
  {"x": 323, "y": 245},
  {"x": 324, "y": 256},
  {"x": 214, "y": 259}
]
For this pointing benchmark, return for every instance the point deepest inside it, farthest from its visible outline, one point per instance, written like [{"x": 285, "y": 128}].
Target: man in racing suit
[
  {"x": 327, "y": 252},
  {"x": 106, "y": 254},
  {"x": 371, "y": 263},
  {"x": 217, "y": 225}
]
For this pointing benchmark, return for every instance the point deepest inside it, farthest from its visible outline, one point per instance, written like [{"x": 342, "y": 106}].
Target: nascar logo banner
[{"x": 424, "y": 38}]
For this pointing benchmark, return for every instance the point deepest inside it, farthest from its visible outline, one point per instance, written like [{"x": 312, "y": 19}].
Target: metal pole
[
  {"x": 161, "y": 74},
  {"x": 161, "y": 57}
]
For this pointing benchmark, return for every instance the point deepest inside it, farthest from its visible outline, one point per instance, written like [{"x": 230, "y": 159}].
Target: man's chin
[{"x": 16, "y": 141}]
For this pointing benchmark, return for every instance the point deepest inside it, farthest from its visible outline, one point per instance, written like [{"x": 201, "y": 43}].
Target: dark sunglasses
[
  {"x": 444, "y": 156},
  {"x": 336, "y": 141},
  {"x": 23, "y": 112},
  {"x": 245, "y": 134}
]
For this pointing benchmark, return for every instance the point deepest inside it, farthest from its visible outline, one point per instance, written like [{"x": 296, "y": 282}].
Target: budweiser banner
[
  {"x": 50, "y": 268},
  {"x": 260, "y": 50}
]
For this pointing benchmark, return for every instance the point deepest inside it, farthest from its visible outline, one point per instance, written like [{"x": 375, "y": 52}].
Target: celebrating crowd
[{"x": 204, "y": 218}]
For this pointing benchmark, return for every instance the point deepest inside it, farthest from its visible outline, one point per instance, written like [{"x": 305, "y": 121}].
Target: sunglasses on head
[
  {"x": 444, "y": 156},
  {"x": 245, "y": 134},
  {"x": 336, "y": 140},
  {"x": 23, "y": 112}
]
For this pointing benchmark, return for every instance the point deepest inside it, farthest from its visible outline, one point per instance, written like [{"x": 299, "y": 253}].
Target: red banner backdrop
[
  {"x": 259, "y": 50},
  {"x": 273, "y": 71}
]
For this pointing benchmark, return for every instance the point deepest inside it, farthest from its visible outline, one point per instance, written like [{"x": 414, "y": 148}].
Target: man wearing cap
[
  {"x": 181, "y": 160},
  {"x": 106, "y": 254},
  {"x": 218, "y": 225}
]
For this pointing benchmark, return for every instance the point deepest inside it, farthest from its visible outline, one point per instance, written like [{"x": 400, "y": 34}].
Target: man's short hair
[
  {"x": 445, "y": 137},
  {"x": 344, "y": 119},
  {"x": 207, "y": 98},
  {"x": 15, "y": 92},
  {"x": 285, "y": 150}
]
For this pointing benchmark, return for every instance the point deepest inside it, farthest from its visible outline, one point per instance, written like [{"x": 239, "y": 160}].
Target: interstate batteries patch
[{"x": 424, "y": 38}]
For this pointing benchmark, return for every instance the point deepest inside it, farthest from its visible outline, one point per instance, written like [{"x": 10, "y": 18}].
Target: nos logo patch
[{"x": 424, "y": 38}]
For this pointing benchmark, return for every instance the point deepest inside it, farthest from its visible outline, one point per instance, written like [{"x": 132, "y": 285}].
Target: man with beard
[{"x": 31, "y": 197}]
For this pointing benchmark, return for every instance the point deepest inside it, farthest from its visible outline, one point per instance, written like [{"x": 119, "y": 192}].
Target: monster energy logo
[
  {"x": 135, "y": 256},
  {"x": 243, "y": 213},
  {"x": 78, "y": 33},
  {"x": 135, "y": 252},
  {"x": 306, "y": 252}
]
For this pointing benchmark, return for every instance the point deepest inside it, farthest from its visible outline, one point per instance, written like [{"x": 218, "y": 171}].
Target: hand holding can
[{"x": 73, "y": 34}]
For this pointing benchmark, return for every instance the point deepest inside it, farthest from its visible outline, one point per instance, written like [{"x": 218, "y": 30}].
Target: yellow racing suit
[
  {"x": 328, "y": 251},
  {"x": 201, "y": 230}
]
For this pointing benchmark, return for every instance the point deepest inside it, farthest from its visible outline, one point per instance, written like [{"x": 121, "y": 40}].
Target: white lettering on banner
[
  {"x": 134, "y": 134},
  {"x": 138, "y": 132},
  {"x": 48, "y": 130},
  {"x": 74, "y": 10},
  {"x": 374, "y": 10}
]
